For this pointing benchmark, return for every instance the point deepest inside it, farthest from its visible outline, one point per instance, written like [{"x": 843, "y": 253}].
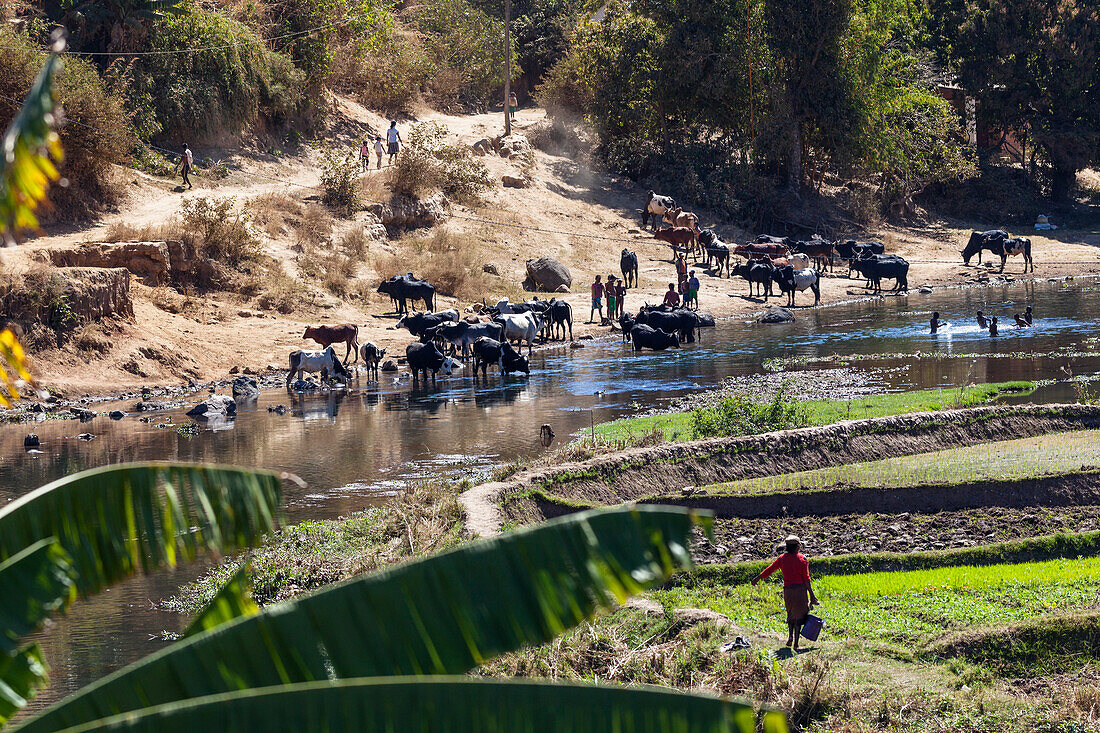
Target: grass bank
[
  {"x": 680, "y": 425},
  {"x": 1044, "y": 455}
]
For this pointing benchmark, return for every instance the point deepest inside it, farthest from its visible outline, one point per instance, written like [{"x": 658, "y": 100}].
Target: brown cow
[
  {"x": 347, "y": 334},
  {"x": 677, "y": 237},
  {"x": 679, "y": 218}
]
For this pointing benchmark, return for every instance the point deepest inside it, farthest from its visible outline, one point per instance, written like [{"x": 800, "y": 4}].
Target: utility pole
[{"x": 507, "y": 65}]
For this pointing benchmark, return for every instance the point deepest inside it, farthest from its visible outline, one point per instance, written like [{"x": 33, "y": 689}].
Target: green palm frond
[
  {"x": 28, "y": 152},
  {"x": 116, "y": 520},
  {"x": 233, "y": 600},
  {"x": 37, "y": 582},
  {"x": 21, "y": 676},
  {"x": 445, "y": 705},
  {"x": 440, "y": 615}
]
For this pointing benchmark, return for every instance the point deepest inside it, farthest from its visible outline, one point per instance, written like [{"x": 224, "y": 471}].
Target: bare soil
[{"x": 217, "y": 331}]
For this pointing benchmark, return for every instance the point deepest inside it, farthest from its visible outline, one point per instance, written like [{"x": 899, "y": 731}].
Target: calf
[
  {"x": 346, "y": 334},
  {"x": 716, "y": 251},
  {"x": 427, "y": 358},
  {"x": 647, "y": 337},
  {"x": 324, "y": 362},
  {"x": 372, "y": 357},
  {"x": 559, "y": 316},
  {"x": 791, "y": 280},
  {"x": 756, "y": 273},
  {"x": 626, "y": 322},
  {"x": 628, "y": 263},
  {"x": 490, "y": 351}
]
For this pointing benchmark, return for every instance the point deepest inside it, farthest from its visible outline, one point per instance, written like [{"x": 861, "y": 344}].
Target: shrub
[
  {"x": 220, "y": 233},
  {"x": 741, "y": 414},
  {"x": 38, "y": 298},
  {"x": 429, "y": 162},
  {"x": 340, "y": 174},
  {"x": 390, "y": 79},
  {"x": 89, "y": 153},
  {"x": 207, "y": 93}
]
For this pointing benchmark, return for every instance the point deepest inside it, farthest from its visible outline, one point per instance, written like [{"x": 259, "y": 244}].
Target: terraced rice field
[
  {"x": 1047, "y": 455},
  {"x": 912, "y": 608}
]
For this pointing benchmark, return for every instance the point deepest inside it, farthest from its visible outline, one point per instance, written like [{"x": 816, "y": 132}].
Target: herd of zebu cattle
[{"x": 491, "y": 335}]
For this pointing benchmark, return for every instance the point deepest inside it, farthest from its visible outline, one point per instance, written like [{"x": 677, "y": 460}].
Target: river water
[{"x": 356, "y": 449}]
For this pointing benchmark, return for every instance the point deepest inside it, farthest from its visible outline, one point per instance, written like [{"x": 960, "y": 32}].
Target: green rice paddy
[
  {"x": 677, "y": 425},
  {"x": 913, "y": 607},
  {"x": 1045, "y": 455}
]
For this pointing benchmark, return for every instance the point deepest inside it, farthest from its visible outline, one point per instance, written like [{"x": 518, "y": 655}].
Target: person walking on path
[
  {"x": 364, "y": 155},
  {"x": 692, "y": 291},
  {"x": 672, "y": 298},
  {"x": 798, "y": 592},
  {"x": 187, "y": 162},
  {"x": 597, "y": 299},
  {"x": 513, "y": 103},
  {"x": 393, "y": 136},
  {"x": 379, "y": 149}
]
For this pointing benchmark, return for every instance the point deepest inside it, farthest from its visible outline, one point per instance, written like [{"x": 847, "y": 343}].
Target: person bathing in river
[
  {"x": 1028, "y": 315},
  {"x": 936, "y": 323},
  {"x": 993, "y": 326},
  {"x": 672, "y": 298},
  {"x": 983, "y": 322},
  {"x": 798, "y": 592},
  {"x": 1021, "y": 321}
]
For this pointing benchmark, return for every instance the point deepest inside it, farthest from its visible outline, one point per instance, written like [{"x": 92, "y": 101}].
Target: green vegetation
[
  {"x": 429, "y": 162},
  {"x": 1009, "y": 460},
  {"x": 740, "y": 414},
  {"x": 680, "y": 425},
  {"x": 913, "y": 607}
]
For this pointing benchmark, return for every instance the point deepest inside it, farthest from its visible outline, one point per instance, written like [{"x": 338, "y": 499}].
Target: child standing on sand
[{"x": 597, "y": 299}]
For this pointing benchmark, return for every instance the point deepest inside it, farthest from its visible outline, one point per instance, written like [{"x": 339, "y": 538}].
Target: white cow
[
  {"x": 324, "y": 362},
  {"x": 521, "y": 327},
  {"x": 799, "y": 261}
]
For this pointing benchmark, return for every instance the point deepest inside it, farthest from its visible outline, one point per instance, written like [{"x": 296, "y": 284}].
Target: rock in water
[
  {"x": 244, "y": 386},
  {"x": 389, "y": 365},
  {"x": 214, "y": 406},
  {"x": 31, "y": 441},
  {"x": 547, "y": 275},
  {"x": 116, "y": 414},
  {"x": 776, "y": 314}
]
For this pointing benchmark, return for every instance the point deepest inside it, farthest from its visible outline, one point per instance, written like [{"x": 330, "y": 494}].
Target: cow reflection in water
[
  {"x": 506, "y": 394},
  {"x": 316, "y": 405}
]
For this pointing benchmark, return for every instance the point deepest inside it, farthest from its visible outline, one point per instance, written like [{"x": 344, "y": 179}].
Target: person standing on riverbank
[
  {"x": 691, "y": 299},
  {"x": 798, "y": 592},
  {"x": 612, "y": 292},
  {"x": 597, "y": 299}
]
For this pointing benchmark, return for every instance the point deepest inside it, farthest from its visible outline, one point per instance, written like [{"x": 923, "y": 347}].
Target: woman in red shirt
[{"x": 798, "y": 593}]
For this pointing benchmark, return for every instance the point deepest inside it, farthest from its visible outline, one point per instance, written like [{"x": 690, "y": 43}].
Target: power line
[{"x": 260, "y": 41}]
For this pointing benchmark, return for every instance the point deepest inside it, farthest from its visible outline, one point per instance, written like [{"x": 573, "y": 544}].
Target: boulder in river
[
  {"x": 83, "y": 414},
  {"x": 546, "y": 274},
  {"x": 214, "y": 406},
  {"x": 31, "y": 441},
  {"x": 775, "y": 314},
  {"x": 116, "y": 414},
  {"x": 244, "y": 386}
]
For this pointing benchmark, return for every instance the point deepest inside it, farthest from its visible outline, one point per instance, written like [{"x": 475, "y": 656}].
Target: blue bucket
[{"x": 812, "y": 629}]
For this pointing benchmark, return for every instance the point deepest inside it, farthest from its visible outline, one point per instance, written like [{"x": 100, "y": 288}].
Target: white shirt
[
  {"x": 379, "y": 147},
  {"x": 393, "y": 134},
  {"x": 188, "y": 157}
]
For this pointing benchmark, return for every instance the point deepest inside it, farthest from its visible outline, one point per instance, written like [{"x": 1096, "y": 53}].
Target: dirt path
[{"x": 219, "y": 331}]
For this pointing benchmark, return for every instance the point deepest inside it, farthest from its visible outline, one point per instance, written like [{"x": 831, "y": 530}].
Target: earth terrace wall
[{"x": 638, "y": 473}]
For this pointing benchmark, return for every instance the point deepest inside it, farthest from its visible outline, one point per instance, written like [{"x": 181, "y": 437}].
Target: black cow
[
  {"x": 403, "y": 288},
  {"x": 877, "y": 267},
  {"x": 490, "y": 351},
  {"x": 853, "y": 250},
  {"x": 999, "y": 243},
  {"x": 628, "y": 263},
  {"x": 756, "y": 273},
  {"x": 646, "y": 337},
  {"x": 418, "y": 323},
  {"x": 679, "y": 321},
  {"x": 427, "y": 358},
  {"x": 717, "y": 252},
  {"x": 559, "y": 315},
  {"x": 769, "y": 239},
  {"x": 980, "y": 241},
  {"x": 372, "y": 356}
]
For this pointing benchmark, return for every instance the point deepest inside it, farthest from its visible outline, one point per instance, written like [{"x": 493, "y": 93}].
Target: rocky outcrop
[
  {"x": 213, "y": 407},
  {"x": 373, "y": 227},
  {"x": 97, "y": 292},
  {"x": 547, "y": 275},
  {"x": 147, "y": 260},
  {"x": 512, "y": 145},
  {"x": 514, "y": 182},
  {"x": 245, "y": 386},
  {"x": 404, "y": 213}
]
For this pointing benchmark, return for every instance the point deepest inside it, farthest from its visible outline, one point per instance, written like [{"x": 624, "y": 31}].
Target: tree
[
  {"x": 814, "y": 84},
  {"x": 1034, "y": 66}
]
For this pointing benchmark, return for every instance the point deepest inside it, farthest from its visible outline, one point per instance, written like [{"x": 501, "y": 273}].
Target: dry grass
[
  {"x": 167, "y": 299},
  {"x": 122, "y": 232},
  {"x": 277, "y": 214},
  {"x": 92, "y": 338},
  {"x": 449, "y": 261},
  {"x": 281, "y": 292}
]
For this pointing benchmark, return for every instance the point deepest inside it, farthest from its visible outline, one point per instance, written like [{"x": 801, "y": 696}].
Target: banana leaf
[
  {"x": 444, "y": 614},
  {"x": 445, "y": 705}
]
